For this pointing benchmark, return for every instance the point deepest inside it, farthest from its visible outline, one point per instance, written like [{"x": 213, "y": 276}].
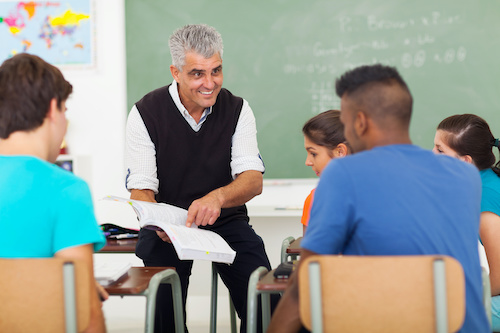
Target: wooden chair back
[
  {"x": 382, "y": 293},
  {"x": 33, "y": 297}
]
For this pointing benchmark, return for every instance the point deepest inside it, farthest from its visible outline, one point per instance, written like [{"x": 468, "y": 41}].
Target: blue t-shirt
[
  {"x": 402, "y": 200},
  {"x": 43, "y": 209}
]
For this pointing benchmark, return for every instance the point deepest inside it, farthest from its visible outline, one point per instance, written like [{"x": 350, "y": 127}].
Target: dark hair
[
  {"x": 367, "y": 86},
  {"x": 468, "y": 134},
  {"x": 325, "y": 129},
  {"x": 27, "y": 85}
]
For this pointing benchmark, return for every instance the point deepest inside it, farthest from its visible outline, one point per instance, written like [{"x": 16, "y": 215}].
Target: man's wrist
[{"x": 218, "y": 195}]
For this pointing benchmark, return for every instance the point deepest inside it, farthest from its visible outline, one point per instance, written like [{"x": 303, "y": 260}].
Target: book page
[
  {"x": 189, "y": 243},
  {"x": 203, "y": 240},
  {"x": 200, "y": 244},
  {"x": 151, "y": 213},
  {"x": 160, "y": 212}
]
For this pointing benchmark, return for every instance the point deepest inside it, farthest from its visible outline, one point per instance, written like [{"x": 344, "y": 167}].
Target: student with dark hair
[
  {"x": 323, "y": 141},
  {"x": 388, "y": 197},
  {"x": 45, "y": 211},
  {"x": 468, "y": 137}
]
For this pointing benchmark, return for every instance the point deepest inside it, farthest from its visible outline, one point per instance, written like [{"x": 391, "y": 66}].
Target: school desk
[
  {"x": 262, "y": 282},
  {"x": 128, "y": 246},
  {"x": 145, "y": 281}
]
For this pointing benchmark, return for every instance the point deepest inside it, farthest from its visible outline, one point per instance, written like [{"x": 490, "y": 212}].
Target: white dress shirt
[{"x": 140, "y": 153}]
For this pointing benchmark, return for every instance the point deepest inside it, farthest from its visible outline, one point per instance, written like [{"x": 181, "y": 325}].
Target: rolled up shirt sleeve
[
  {"x": 140, "y": 155},
  {"x": 245, "y": 151}
]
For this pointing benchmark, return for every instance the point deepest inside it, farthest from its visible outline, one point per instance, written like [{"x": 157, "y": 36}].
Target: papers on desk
[{"x": 108, "y": 272}]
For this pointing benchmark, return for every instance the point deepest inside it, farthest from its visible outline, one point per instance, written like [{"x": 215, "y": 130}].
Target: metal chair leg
[
  {"x": 70, "y": 297},
  {"x": 284, "y": 245},
  {"x": 252, "y": 298},
  {"x": 168, "y": 276},
  {"x": 213, "y": 301},
  {"x": 213, "y": 305},
  {"x": 232, "y": 314}
]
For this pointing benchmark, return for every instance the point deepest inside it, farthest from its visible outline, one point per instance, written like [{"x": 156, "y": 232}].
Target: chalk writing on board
[
  {"x": 412, "y": 42},
  {"x": 323, "y": 96},
  {"x": 408, "y": 43}
]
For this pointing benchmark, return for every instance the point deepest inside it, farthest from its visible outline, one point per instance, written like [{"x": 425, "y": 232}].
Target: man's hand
[
  {"x": 204, "y": 211},
  {"x": 149, "y": 196},
  {"x": 164, "y": 237}
]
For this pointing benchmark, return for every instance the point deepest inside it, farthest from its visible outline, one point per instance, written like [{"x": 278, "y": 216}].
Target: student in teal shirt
[
  {"x": 469, "y": 138},
  {"x": 45, "y": 211}
]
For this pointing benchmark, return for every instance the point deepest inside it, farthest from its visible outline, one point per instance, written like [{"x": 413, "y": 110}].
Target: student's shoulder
[
  {"x": 59, "y": 177},
  {"x": 460, "y": 170},
  {"x": 490, "y": 180},
  {"x": 456, "y": 164}
]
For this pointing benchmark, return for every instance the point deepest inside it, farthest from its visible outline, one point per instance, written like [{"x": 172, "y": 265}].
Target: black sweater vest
[{"x": 191, "y": 164}]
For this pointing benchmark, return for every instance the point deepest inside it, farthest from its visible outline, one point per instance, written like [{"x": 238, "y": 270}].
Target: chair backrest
[
  {"x": 33, "y": 296},
  {"x": 381, "y": 293}
]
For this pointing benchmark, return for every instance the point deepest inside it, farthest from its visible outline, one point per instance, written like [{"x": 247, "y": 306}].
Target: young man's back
[
  {"x": 402, "y": 200},
  {"x": 44, "y": 209}
]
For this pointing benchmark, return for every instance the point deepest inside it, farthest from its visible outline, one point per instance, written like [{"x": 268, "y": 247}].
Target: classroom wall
[{"x": 97, "y": 108}]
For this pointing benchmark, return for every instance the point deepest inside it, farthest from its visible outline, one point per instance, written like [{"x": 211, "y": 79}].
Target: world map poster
[{"x": 60, "y": 32}]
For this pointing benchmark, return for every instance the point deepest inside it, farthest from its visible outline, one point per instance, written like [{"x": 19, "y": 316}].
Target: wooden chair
[
  {"x": 44, "y": 295},
  {"x": 382, "y": 294}
]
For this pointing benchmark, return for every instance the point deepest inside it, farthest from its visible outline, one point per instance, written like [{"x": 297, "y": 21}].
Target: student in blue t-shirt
[
  {"x": 390, "y": 197},
  {"x": 468, "y": 137},
  {"x": 45, "y": 211}
]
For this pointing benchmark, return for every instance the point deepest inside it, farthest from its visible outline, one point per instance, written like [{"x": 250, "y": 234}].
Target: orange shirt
[{"x": 306, "y": 211}]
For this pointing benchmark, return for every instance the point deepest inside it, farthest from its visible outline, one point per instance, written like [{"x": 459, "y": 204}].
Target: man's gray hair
[{"x": 199, "y": 38}]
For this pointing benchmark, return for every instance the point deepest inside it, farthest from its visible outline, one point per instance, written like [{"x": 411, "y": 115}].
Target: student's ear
[
  {"x": 175, "y": 73},
  {"x": 53, "y": 109},
  {"x": 341, "y": 150},
  {"x": 361, "y": 123},
  {"x": 466, "y": 158}
]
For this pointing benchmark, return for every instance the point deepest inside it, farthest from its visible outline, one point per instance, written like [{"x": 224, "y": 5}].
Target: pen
[{"x": 121, "y": 236}]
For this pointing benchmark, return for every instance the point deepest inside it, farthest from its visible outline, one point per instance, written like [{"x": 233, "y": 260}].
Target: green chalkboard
[{"x": 283, "y": 57}]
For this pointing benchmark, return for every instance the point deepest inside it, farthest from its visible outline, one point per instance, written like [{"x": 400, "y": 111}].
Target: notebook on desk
[{"x": 108, "y": 272}]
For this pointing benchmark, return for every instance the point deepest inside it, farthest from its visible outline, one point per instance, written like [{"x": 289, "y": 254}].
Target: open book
[{"x": 189, "y": 243}]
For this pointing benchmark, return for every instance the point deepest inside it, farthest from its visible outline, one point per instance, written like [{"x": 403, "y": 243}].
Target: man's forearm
[
  {"x": 142, "y": 195},
  {"x": 247, "y": 185}
]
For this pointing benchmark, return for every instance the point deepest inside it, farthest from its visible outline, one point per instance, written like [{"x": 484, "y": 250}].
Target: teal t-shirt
[
  {"x": 43, "y": 209},
  {"x": 490, "y": 201}
]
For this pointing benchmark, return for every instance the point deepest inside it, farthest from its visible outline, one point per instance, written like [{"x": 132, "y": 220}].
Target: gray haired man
[{"x": 193, "y": 144}]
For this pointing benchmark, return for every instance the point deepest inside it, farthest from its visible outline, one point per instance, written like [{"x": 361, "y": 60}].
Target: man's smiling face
[{"x": 199, "y": 82}]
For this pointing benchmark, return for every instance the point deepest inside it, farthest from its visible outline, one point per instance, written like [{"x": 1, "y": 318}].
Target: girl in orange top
[{"x": 323, "y": 140}]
